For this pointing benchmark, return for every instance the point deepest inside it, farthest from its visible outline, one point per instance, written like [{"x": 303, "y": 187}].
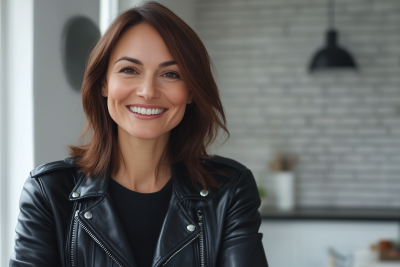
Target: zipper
[
  {"x": 182, "y": 248},
  {"x": 73, "y": 238},
  {"x": 96, "y": 240},
  {"x": 200, "y": 215}
]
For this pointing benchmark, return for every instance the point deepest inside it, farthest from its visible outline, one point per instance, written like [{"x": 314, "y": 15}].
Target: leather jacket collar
[
  {"x": 97, "y": 186},
  {"x": 105, "y": 230}
]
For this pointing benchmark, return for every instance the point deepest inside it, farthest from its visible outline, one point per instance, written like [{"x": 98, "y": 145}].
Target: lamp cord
[{"x": 331, "y": 14}]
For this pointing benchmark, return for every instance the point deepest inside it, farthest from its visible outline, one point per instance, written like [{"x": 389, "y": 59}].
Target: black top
[{"x": 142, "y": 215}]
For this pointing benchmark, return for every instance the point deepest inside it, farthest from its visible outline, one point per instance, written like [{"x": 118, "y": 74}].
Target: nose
[{"x": 147, "y": 89}]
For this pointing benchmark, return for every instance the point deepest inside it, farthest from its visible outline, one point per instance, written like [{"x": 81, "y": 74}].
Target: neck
[{"x": 138, "y": 161}]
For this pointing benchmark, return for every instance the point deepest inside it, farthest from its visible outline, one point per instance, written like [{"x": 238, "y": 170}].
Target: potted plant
[{"x": 282, "y": 168}]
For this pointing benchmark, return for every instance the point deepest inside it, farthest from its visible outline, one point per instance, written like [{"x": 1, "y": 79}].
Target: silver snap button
[
  {"x": 204, "y": 192},
  {"x": 191, "y": 227},
  {"x": 76, "y": 194},
  {"x": 88, "y": 215}
]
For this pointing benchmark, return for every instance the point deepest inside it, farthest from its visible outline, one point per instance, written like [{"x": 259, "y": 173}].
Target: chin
[{"x": 147, "y": 135}]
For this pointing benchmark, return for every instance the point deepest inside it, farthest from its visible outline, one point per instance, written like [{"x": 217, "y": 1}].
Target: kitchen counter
[{"x": 332, "y": 214}]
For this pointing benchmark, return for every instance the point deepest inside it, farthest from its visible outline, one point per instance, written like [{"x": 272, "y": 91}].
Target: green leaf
[{"x": 262, "y": 192}]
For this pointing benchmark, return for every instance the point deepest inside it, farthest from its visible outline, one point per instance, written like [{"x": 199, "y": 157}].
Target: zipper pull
[
  {"x": 77, "y": 211},
  {"x": 200, "y": 214}
]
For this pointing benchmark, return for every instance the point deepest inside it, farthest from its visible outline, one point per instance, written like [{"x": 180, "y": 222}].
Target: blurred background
[{"x": 314, "y": 113}]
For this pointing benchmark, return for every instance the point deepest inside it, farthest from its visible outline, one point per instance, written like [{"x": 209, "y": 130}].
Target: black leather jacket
[{"x": 67, "y": 220}]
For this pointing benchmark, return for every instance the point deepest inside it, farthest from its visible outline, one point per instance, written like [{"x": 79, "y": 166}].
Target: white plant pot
[{"x": 285, "y": 190}]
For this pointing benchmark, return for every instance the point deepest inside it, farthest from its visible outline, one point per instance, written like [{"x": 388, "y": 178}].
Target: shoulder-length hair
[{"x": 202, "y": 120}]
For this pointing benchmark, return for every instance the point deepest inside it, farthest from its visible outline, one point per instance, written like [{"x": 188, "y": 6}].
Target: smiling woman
[
  {"x": 143, "y": 83},
  {"x": 144, "y": 191},
  {"x": 144, "y": 62}
]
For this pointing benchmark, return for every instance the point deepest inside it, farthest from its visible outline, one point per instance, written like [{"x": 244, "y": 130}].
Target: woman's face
[{"x": 146, "y": 95}]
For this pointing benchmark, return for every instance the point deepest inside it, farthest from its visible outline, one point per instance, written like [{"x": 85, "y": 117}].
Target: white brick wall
[{"x": 344, "y": 126}]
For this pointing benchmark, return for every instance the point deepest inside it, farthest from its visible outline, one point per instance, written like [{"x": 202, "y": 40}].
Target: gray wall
[
  {"x": 345, "y": 127},
  {"x": 58, "y": 113}
]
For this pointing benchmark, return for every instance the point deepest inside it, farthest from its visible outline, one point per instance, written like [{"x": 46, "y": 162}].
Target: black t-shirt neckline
[
  {"x": 133, "y": 194},
  {"x": 142, "y": 216}
]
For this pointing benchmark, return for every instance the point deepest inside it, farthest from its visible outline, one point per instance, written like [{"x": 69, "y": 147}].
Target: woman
[{"x": 143, "y": 191}]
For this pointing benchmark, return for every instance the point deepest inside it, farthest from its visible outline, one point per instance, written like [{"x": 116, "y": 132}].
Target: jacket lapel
[
  {"x": 104, "y": 224},
  {"x": 107, "y": 228},
  {"x": 174, "y": 233}
]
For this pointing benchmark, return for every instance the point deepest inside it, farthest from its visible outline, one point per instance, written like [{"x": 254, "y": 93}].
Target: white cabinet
[{"x": 291, "y": 243}]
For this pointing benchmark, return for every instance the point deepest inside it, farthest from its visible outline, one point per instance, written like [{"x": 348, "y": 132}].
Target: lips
[
  {"x": 146, "y": 112},
  {"x": 146, "y": 106}
]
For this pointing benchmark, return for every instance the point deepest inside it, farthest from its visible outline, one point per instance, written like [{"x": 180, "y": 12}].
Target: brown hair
[{"x": 203, "y": 118}]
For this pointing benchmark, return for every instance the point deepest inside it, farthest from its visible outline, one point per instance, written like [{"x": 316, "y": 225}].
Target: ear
[{"x": 190, "y": 98}]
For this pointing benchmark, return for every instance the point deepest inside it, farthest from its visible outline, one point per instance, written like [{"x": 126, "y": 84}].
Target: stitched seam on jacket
[
  {"x": 177, "y": 246},
  {"x": 180, "y": 205},
  {"x": 188, "y": 238},
  {"x": 232, "y": 191},
  {"x": 90, "y": 195},
  {"x": 73, "y": 175},
  {"x": 100, "y": 236},
  {"x": 98, "y": 202},
  {"x": 233, "y": 188},
  {"x": 80, "y": 181},
  {"x": 93, "y": 249},
  {"x": 243, "y": 235},
  {"x": 184, "y": 241},
  {"x": 93, "y": 195},
  {"x": 70, "y": 229},
  {"x": 44, "y": 193},
  {"x": 49, "y": 169}
]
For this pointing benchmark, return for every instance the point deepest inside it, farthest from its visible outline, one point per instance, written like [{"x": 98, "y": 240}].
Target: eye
[
  {"x": 172, "y": 75},
  {"x": 128, "y": 70}
]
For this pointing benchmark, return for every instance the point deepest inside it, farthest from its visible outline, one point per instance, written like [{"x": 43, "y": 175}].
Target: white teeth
[{"x": 145, "y": 111}]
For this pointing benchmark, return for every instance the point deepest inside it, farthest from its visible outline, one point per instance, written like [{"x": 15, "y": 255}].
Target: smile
[
  {"x": 151, "y": 113},
  {"x": 146, "y": 111}
]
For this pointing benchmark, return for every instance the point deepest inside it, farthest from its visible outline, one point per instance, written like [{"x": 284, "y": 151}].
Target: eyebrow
[{"x": 136, "y": 61}]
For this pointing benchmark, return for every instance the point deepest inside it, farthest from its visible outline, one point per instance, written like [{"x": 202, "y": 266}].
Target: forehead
[{"x": 143, "y": 42}]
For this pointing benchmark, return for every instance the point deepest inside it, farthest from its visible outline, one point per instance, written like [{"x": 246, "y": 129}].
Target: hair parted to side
[{"x": 203, "y": 118}]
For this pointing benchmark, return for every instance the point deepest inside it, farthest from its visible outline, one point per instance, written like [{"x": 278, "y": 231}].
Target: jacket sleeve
[
  {"x": 241, "y": 243},
  {"x": 35, "y": 240}
]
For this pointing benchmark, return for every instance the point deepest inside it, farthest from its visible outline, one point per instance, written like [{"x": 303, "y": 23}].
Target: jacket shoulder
[
  {"x": 228, "y": 163},
  {"x": 53, "y": 166},
  {"x": 232, "y": 170}
]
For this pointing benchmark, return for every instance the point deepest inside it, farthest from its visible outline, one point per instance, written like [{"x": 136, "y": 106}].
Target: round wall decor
[{"x": 79, "y": 38}]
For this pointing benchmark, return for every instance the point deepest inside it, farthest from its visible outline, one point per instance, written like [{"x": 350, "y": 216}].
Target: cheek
[
  {"x": 119, "y": 89},
  {"x": 178, "y": 96}
]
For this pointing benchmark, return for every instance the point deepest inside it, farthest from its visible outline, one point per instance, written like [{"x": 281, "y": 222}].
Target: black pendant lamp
[{"x": 332, "y": 55}]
